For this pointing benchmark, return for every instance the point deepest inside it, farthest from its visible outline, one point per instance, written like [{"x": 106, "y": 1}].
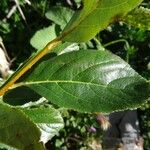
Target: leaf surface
[
  {"x": 95, "y": 15},
  {"x": 20, "y": 96},
  {"x": 17, "y": 130},
  {"x": 6, "y": 147},
  {"x": 88, "y": 81},
  {"x": 43, "y": 36},
  {"x": 60, "y": 15},
  {"x": 48, "y": 120}
]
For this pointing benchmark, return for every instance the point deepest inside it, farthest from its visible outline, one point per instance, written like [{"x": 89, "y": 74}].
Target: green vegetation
[{"x": 71, "y": 66}]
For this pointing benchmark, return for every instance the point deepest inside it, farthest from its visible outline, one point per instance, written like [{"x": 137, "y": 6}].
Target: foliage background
[{"x": 80, "y": 129}]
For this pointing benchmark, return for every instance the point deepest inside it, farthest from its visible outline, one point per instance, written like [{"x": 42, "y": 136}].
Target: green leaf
[
  {"x": 48, "y": 120},
  {"x": 139, "y": 18},
  {"x": 6, "y": 147},
  {"x": 60, "y": 15},
  {"x": 20, "y": 96},
  {"x": 70, "y": 48},
  {"x": 95, "y": 16},
  {"x": 88, "y": 81},
  {"x": 17, "y": 130},
  {"x": 43, "y": 36}
]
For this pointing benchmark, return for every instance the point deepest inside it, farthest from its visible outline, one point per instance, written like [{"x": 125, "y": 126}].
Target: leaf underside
[
  {"x": 17, "y": 130},
  {"x": 94, "y": 16},
  {"x": 48, "y": 120}
]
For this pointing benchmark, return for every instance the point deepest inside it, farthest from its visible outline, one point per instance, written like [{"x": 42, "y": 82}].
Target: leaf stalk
[{"x": 26, "y": 66}]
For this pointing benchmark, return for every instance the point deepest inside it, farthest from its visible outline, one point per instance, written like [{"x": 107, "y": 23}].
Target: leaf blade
[
  {"x": 19, "y": 137},
  {"x": 94, "y": 17},
  {"x": 42, "y": 37},
  {"x": 90, "y": 81},
  {"x": 60, "y": 15},
  {"x": 48, "y": 120}
]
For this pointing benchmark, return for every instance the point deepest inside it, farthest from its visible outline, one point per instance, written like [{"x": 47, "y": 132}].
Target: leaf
[
  {"x": 48, "y": 120},
  {"x": 43, "y": 36},
  {"x": 70, "y": 48},
  {"x": 60, "y": 15},
  {"x": 17, "y": 130},
  {"x": 62, "y": 47},
  {"x": 6, "y": 147},
  {"x": 88, "y": 81},
  {"x": 139, "y": 18},
  {"x": 20, "y": 96},
  {"x": 94, "y": 17}
]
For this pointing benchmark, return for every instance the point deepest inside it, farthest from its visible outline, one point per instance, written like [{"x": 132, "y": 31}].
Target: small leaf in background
[
  {"x": 43, "y": 36},
  {"x": 48, "y": 120},
  {"x": 139, "y": 18},
  {"x": 95, "y": 15},
  {"x": 17, "y": 130},
  {"x": 88, "y": 81},
  {"x": 60, "y": 15}
]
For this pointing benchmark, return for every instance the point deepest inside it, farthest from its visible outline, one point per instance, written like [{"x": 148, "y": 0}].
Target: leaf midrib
[
  {"x": 61, "y": 81},
  {"x": 55, "y": 81}
]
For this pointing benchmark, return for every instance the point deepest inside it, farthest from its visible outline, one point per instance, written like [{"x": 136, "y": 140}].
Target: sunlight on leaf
[{"x": 88, "y": 81}]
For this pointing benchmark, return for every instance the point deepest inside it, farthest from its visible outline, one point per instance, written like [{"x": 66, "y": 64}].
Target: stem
[
  {"x": 97, "y": 41},
  {"x": 99, "y": 45},
  {"x": 118, "y": 41},
  {"x": 25, "y": 67}
]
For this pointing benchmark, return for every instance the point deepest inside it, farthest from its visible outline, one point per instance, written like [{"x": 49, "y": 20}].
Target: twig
[
  {"x": 20, "y": 10},
  {"x": 74, "y": 139},
  {"x": 13, "y": 9}
]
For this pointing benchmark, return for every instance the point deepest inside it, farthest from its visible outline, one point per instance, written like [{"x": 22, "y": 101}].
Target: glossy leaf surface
[
  {"x": 88, "y": 81},
  {"x": 48, "y": 120}
]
